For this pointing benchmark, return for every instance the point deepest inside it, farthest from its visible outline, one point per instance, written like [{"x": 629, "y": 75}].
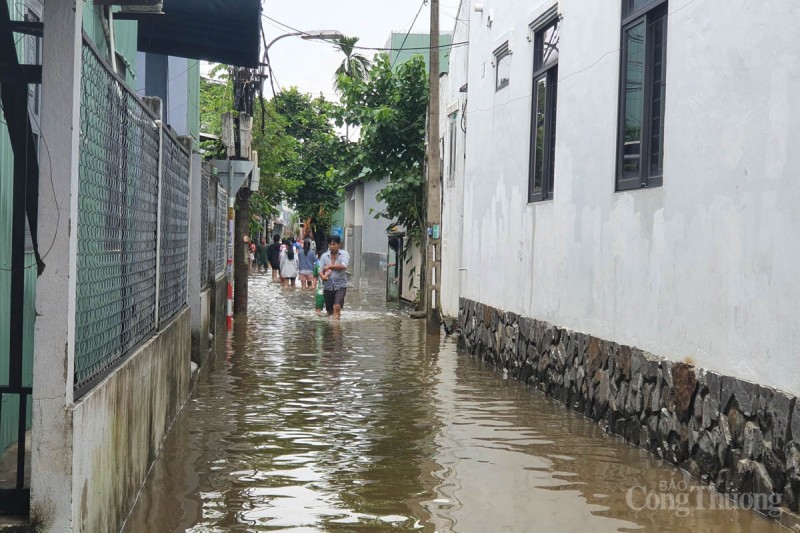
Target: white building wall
[
  {"x": 177, "y": 85},
  {"x": 454, "y": 101},
  {"x": 375, "y": 238},
  {"x": 702, "y": 269}
]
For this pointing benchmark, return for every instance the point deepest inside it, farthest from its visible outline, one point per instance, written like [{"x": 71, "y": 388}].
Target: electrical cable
[
  {"x": 424, "y": 3},
  {"x": 377, "y": 49},
  {"x": 52, "y": 187}
]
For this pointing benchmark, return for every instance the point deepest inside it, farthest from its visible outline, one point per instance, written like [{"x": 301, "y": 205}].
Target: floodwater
[{"x": 307, "y": 425}]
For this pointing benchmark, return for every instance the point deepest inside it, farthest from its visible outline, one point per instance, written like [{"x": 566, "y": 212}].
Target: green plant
[{"x": 390, "y": 107}]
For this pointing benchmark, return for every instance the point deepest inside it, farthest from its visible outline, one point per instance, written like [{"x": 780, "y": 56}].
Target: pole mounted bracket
[{"x": 233, "y": 173}]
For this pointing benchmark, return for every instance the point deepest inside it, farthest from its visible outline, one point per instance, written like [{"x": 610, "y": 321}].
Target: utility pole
[
  {"x": 244, "y": 98},
  {"x": 431, "y": 282}
]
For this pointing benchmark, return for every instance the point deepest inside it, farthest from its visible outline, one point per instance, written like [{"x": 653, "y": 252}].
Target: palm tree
[{"x": 354, "y": 65}]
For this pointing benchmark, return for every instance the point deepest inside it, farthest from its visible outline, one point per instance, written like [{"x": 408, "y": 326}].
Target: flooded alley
[{"x": 308, "y": 425}]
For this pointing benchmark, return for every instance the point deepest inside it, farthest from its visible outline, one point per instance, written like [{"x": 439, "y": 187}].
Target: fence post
[
  {"x": 194, "y": 278},
  {"x": 194, "y": 215},
  {"x": 54, "y": 344},
  {"x": 155, "y": 105}
]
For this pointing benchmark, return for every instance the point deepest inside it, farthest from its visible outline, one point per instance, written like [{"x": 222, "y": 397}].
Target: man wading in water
[{"x": 334, "y": 276}]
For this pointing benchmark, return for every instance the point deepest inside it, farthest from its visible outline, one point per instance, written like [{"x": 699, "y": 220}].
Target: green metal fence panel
[
  {"x": 9, "y": 403},
  {"x": 205, "y": 182},
  {"x": 174, "y": 253},
  {"x": 117, "y": 221},
  {"x": 221, "y": 262}
]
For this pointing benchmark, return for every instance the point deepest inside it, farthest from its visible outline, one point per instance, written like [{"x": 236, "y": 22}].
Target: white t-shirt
[{"x": 289, "y": 267}]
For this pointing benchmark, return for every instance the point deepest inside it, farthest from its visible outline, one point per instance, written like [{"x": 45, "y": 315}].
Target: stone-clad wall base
[{"x": 737, "y": 435}]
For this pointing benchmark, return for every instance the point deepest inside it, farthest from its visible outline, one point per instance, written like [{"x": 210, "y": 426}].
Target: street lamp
[{"x": 319, "y": 35}]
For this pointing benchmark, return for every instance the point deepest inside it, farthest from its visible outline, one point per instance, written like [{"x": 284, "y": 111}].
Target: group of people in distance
[{"x": 325, "y": 273}]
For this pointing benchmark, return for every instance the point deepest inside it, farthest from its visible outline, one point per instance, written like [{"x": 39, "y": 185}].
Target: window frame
[
  {"x": 646, "y": 179},
  {"x": 502, "y": 52},
  {"x": 549, "y": 73}
]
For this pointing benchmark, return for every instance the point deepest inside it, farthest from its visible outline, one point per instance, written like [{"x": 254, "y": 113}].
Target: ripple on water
[{"x": 308, "y": 424}]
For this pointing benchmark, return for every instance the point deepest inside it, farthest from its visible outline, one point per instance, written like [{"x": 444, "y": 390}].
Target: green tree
[
  {"x": 310, "y": 123},
  {"x": 390, "y": 107},
  {"x": 354, "y": 65}
]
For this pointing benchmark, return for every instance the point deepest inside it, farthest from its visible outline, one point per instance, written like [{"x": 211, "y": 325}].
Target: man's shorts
[{"x": 334, "y": 298}]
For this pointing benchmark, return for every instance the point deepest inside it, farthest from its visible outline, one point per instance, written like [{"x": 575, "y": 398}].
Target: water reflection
[{"x": 363, "y": 425}]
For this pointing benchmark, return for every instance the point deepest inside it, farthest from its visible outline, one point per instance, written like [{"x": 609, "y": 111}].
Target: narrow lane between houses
[{"x": 304, "y": 424}]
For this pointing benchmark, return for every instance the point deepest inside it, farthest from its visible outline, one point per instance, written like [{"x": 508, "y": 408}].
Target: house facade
[
  {"x": 113, "y": 247},
  {"x": 619, "y": 219}
]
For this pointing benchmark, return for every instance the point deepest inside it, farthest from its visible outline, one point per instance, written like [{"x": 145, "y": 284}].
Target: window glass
[
  {"x": 553, "y": 114},
  {"x": 659, "y": 31},
  {"x": 539, "y": 132},
  {"x": 636, "y": 5},
  {"x": 503, "y": 69},
  {"x": 550, "y": 45},
  {"x": 633, "y": 99}
]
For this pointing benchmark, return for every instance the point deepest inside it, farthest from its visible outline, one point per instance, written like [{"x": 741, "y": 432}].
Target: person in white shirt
[{"x": 290, "y": 267}]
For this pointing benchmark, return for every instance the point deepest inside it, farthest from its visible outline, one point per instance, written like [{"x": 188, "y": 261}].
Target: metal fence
[
  {"x": 220, "y": 264},
  {"x": 118, "y": 223},
  {"x": 174, "y": 255},
  {"x": 204, "y": 223}
]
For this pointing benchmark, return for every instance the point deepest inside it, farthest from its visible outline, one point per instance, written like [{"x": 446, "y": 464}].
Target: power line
[
  {"x": 52, "y": 186},
  {"x": 424, "y": 3},
  {"x": 376, "y": 49}
]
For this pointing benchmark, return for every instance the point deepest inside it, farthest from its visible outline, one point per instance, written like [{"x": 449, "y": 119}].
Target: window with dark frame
[
  {"x": 640, "y": 158},
  {"x": 543, "y": 112},
  {"x": 451, "y": 169},
  {"x": 502, "y": 61}
]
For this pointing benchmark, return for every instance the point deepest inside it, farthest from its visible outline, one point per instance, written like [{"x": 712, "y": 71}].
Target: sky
[{"x": 310, "y": 65}]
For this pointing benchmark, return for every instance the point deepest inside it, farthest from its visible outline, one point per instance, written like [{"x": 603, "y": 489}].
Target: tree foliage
[
  {"x": 390, "y": 108},
  {"x": 310, "y": 123},
  {"x": 304, "y": 160},
  {"x": 354, "y": 65}
]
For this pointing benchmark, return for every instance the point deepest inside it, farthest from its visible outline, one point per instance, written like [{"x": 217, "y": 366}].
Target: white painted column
[
  {"x": 195, "y": 244},
  {"x": 54, "y": 345}
]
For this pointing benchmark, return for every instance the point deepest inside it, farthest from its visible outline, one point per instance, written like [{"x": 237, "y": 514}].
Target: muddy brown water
[{"x": 307, "y": 425}]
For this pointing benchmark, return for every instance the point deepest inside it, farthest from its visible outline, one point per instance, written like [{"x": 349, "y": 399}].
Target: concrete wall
[
  {"x": 370, "y": 262},
  {"x": 201, "y": 327},
  {"x": 219, "y": 305},
  {"x": 701, "y": 269},
  {"x": 454, "y": 105},
  {"x": 368, "y": 241},
  {"x": 118, "y": 427},
  {"x": 176, "y": 81},
  {"x": 375, "y": 239},
  {"x": 177, "y": 86}
]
